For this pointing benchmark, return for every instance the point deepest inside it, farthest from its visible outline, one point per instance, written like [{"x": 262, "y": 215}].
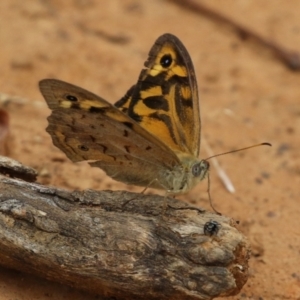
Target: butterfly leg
[
  {"x": 126, "y": 202},
  {"x": 144, "y": 190},
  {"x": 209, "y": 197}
]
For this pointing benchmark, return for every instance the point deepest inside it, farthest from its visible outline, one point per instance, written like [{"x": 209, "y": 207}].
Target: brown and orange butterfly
[{"x": 150, "y": 138}]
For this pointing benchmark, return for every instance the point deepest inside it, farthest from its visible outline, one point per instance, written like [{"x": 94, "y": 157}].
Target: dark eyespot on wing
[
  {"x": 156, "y": 102},
  {"x": 71, "y": 98},
  {"x": 148, "y": 148},
  {"x": 166, "y": 60}
]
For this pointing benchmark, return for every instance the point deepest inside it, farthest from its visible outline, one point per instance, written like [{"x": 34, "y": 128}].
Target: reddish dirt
[{"x": 247, "y": 97}]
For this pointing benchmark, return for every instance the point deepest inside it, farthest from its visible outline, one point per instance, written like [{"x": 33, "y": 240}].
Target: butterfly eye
[
  {"x": 196, "y": 169},
  {"x": 166, "y": 60},
  {"x": 200, "y": 168},
  {"x": 71, "y": 98}
]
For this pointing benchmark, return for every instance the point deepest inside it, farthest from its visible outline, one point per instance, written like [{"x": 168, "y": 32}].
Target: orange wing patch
[{"x": 165, "y": 99}]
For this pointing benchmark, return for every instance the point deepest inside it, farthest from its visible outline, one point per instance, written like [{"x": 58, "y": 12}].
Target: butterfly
[{"x": 150, "y": 137}]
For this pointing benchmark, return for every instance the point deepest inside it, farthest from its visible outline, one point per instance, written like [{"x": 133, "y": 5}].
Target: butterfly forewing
[{"x": 165, "y": 99}]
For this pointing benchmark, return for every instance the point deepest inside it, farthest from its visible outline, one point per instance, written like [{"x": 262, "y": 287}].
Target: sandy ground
[{"x": 247, "y": 97}]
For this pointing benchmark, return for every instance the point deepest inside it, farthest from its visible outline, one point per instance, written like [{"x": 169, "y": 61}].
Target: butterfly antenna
[
  {"x": 220, "y": 171},
  {"x": 208, "y": 177},
  {"x": 241, "y": 149}
]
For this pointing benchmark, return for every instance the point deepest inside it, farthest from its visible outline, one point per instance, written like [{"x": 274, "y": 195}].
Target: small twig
[
  {"x": 220, "y": 171},
  {"x": 290, "y": 58},
  {"x": 5, "y": 98}
]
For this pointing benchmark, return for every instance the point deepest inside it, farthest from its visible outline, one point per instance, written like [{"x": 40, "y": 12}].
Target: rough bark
[{"x": 98, "y": 241}]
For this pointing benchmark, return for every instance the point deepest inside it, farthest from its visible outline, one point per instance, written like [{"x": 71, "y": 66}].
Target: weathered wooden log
[{"x": 103, "y": 243}]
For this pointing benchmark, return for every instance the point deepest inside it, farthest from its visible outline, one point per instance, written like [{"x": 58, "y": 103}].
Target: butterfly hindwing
[
  {"x": 86, "y": 127},
  {"x": 165, "y": 99}
]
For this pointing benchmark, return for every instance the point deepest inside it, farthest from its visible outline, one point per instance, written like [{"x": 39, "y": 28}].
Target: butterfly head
[
  {"x": 190, "y": 173},
  {"x": 196, "y": 172}
]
